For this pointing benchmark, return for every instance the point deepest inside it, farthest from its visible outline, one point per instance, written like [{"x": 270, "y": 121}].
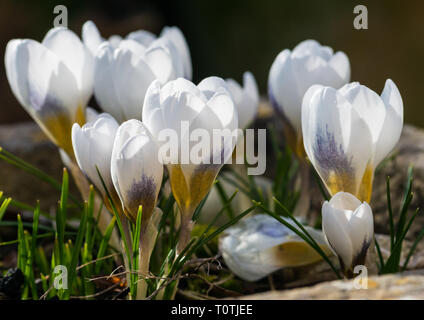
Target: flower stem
[
  {"x": 185, "y": 232},
  {"x": 303, "y": 204}
]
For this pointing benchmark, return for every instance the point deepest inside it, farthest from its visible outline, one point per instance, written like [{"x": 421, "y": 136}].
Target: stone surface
[
  {"x": 28, "y": 142},
  {"x": 395, "y": 286}
]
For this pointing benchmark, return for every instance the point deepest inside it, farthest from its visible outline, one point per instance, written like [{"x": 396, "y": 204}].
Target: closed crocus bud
[
  {"x": 293, "y": 72},
  {"x": 123, "y": 75},
  {"x": 52, "y": 80},
  {"x": 260, "y": 245},
  {"x": 348, "y": 132},
  {"x": 93, "y": 144},
  {"x": 180, "y": 110},
  {"x": 349, "y": 228},
  {"x": 136, "y": 170}
]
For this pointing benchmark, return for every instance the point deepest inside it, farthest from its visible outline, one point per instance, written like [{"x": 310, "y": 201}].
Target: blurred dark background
[{"x": 228, "y": 37}]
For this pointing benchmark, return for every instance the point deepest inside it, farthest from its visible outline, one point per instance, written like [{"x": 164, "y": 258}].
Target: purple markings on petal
[
  {"x": 203, "y": 168},
  {"x": 45, "y": 106},
  {"x": 220, "y": 157},
  {"x": 330, "y": 156},
  {"x": 142, "y": 193},
  {"x": 274, "y": 230}
]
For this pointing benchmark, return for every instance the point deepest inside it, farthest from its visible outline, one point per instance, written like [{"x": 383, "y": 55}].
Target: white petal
[
  {"x": 115, "y": 40},
  {"x": 361, "y": 228},
  {"x": 306, "y": 102},
  {"x": 175, "y": 35},
  {"x": 334, "y": 226},
  {"x": 293, "y": 73},
  {"x": 368, "y": 104},
  {"x": 136, "y": 171},
  {"x": 393, "y": 122},
  {"x": 180, "y": 100},
  {"x": 131, "y": 83},
  {"x": 337, "y": 141},
  {"x": 314, "y": 48},
  {"x": 69, "y": 48},
  {"x": 93, "y": 144},
  {"x": 90, "y": 114},
  {"x": 160, "y": 60},
  {"x": 283, "y": 89},
  {"x": 344, "y": 201},
  {"x": 245, "y": 99},
  {"x": 104, "y": 86},
  {"x": 136, "y": 48},
  {"x": 142, "y": 36},
  {"x": 39, "y": 80},
  {"x": 91, "y": 37},
  {"x": 222, "y": 105},
  {"x": 340, "y": 63}
]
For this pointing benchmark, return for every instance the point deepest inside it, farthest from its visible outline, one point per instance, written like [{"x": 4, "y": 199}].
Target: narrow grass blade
[
  {"x": 4, "y": 206},
  {"x": 305, "y": 236},
  {"x": 104, "y": 244},
  {"x": 18, "y": 162}
]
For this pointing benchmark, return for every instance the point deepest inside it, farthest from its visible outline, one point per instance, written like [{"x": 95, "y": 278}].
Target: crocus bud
[
  {"x": 293, "y": 72},
  {"x": 136, "y": 170},
  {"x": 348, "y": 132},
  {"x": 260, "y": 245},
  {"x": 52, "y": 80},
  {"x": 349, "y": 228},
  {"x": 93, "y": 144}
]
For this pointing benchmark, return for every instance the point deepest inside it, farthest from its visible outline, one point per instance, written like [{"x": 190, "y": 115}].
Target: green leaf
[
  {"x": 104, "y": 244},
  {"x": 76, "y": 251},
  {"x": 4, "y": 206}
]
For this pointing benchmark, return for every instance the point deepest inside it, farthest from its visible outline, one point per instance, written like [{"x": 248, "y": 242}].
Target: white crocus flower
[
  {"x": 93, "y": 144},
  {"x": 136, "y": 170},
  {"x": 349, "y": 228},
  {"x": 123, "y": 75},
  {"x": 176, "y": 43},
  {"x": 52, "y": 80},
  {"x": 182, "y": 109},
  {"x": 260, "y": 245},
  {"x": 348, "y": 132},
  {"x": 293, "y": 72}
]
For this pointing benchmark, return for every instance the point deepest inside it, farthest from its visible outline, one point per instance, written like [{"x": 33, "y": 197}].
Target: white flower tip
[
  {"x": 250, "y": 85},
  {"x": 391, "y": 97}
]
